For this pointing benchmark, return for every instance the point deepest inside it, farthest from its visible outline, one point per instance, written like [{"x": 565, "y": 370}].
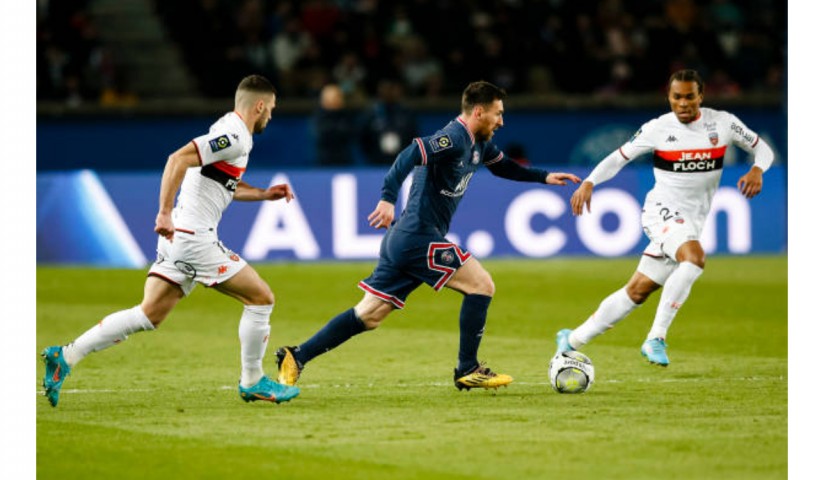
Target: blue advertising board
[{"x": 107, "y": 218}]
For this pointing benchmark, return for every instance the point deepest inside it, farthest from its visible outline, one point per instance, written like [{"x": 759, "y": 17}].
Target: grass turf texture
[{"x": 382, "y": 406}]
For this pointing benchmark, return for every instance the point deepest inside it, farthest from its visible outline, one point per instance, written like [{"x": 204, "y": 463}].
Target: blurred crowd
[
  {"x": 73, "y": 64},
  {"x": 435, "y": 47}
]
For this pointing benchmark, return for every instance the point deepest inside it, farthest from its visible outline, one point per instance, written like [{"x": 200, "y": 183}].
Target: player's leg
[
  {"x": 159, "y": 298},
  {"x": 254, "y": 293},
  {"x": 385, "y": 289},
  {"x": 254, "y": 324},
  {"x": 691, "y": 261},
  {"x": 368, "y": 314},
  {"x": 476, "y": 284},
  {"x": 611, "y": 310}
]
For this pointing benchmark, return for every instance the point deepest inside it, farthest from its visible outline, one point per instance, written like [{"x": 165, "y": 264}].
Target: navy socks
[
  {"x": 473, "y": 317},
  {"x": 334, "y": 333}
]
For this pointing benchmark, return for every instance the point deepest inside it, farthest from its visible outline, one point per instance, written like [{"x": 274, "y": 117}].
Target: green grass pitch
[{"x": 382, "y": 406}]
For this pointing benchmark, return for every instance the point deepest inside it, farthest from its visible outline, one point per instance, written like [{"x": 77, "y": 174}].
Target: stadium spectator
[
  {"x": 334, "y": 128},
  {"x": 415, "y": 249},
  {"x": 612, "y": 46},
  {"x": 207, "y": 171},
  {"x": 387, "y": 126},
  {"x": 688, "y": 146}
]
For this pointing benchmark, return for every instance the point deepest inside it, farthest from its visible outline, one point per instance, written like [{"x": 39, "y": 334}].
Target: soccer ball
[{"x": 571, "y": 372}]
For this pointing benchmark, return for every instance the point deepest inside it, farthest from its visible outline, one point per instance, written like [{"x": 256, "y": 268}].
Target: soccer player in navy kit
[{"x": 415, "y": 250}]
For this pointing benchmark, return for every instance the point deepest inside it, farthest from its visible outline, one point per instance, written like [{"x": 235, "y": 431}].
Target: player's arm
[
  {"x": 641, "y": 143},
  {"x": 173, "y": 174},
  {"x": 505, "y": 167},
  {"x": 750, "y": 184},
  {"x": 605, "y": 170},
  {"x": 383, "y": 214},
  {"x": 248, "y": 193}
]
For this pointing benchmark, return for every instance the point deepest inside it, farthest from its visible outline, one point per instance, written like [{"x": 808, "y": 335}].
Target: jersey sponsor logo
[
  {"x": 223, "y": 174},
  {"x": 739, "y": 130},
  {"x": 704, "y": 160},
  {"x": 670, "y": 139},
  {"x": 440, "y": 143},
  {"x": 461, "y": 188},
  {"x": 219, "y": 143},
  {"x": 713, "y": 137}
]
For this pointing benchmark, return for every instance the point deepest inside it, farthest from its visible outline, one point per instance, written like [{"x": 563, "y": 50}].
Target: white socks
[
  {"x": 253, "y": 337},
  {"x": 611, "y": 311},
  {"x": 112, "y": 330},
  {"x": 674, "y": 294}
]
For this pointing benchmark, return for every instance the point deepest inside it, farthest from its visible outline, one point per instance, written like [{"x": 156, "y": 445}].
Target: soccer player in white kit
[
  {"x": 208, "y": 171},
  {"x": 688, "y": 146}
]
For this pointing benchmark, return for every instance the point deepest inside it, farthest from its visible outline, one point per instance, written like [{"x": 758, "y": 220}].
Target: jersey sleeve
[
  {"x": 503, "y": 166},
  {"x": 641, "y": 143},
  {"x": 218, "y": 146},
  {"x": 438, "y": 147},
  {"x": 750, "y": 142},
  {"x": 741, "y": 135}
]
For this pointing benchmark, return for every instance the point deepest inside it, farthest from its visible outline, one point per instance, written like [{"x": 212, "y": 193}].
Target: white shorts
[
  {"x": 195, "y": 257},
  {"x": 667, "y": 229}
]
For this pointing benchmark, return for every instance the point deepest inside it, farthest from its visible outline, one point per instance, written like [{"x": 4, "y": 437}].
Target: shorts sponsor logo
[
  {"x": 185, "y": 268},
  {"x": 440, "y": 143},
  {"x": 219, "y": 143},
  {"x": 234, "y": 257}
]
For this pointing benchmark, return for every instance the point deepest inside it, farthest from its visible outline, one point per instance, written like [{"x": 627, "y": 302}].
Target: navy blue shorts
[{"x": 408, "y": 259}]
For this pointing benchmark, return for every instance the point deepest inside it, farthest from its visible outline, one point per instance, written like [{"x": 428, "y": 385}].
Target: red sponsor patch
[
  {"x": 222, "y": 269},
  {"x": 234, "y": 257}
]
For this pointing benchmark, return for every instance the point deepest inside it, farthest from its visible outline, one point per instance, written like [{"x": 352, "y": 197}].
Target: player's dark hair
[
  {"x": 256, "y": 84},
  {"x": 480, "y": 93},
  {"x": 687, "y": 76}
]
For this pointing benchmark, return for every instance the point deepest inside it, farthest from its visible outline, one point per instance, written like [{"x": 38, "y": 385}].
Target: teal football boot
[
  {"x": 654, "y": 351},
  {"x": 269, "y": 391},
  {"x": 56, "y": 371},
  {"x": 562, "y": 339}
]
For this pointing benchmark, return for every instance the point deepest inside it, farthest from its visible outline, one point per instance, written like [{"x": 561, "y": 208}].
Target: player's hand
[
  {"x": 164, "y": 226},
  {"x": 382, "y": 215},
  {"x": 559, "y": 178},
  {"x": 750, "y": 184},
  {"x": 582, "y": 197},
  {"x": 276, "y": 192}
]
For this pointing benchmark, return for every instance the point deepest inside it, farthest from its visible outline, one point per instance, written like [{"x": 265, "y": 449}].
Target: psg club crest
[
  {"x": 447, "y": 257},
  {"x": 713, "y": 137}
]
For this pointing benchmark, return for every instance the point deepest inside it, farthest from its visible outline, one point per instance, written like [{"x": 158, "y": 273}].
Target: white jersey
[
  {"x": 208, "y": 189},
  {"x": 688, "y": 158}
]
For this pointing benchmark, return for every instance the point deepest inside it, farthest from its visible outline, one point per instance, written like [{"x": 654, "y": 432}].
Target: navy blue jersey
[{"x": 444, "y": 164}]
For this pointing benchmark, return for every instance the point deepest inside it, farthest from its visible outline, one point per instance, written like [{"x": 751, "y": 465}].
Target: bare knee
[
  {"x": 692, "y": 252},
  {"x": 486, "y": 285},
  {"x": 372, "y": 312},
  {"x": 263, "y": 297},
  {"x": 640, "y": 287}
]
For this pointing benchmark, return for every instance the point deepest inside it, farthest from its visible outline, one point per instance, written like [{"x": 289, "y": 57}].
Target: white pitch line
[{"x": 433, "y": 384}]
